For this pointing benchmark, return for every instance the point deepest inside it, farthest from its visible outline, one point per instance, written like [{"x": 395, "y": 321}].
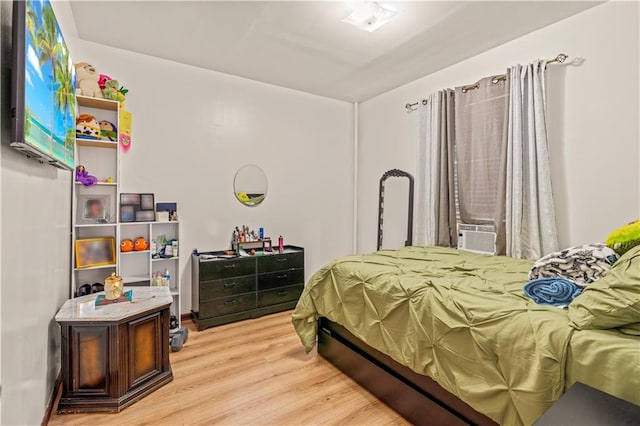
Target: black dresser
[{"x": 228, "y": 289}]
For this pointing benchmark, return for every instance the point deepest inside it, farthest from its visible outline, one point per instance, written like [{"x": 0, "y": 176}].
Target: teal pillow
[{"x": 612, "y": 301}]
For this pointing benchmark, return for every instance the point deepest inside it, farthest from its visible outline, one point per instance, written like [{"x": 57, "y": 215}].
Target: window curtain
[
  {"x": 435, "y": 213},
  {"x": 480, "y": 130},
  {"x": 530, "y": 217}
]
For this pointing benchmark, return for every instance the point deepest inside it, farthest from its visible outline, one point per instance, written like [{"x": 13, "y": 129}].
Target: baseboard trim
[
  {"x": 52, "y": 399},
  {"x": 185, "y": 317}
]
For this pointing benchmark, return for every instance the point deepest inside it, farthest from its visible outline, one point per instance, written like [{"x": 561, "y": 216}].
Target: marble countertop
[{"x": 84, "y": 309}]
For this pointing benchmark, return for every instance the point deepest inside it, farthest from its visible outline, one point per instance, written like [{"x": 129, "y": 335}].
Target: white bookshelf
[{"x": 102, "y": 159}]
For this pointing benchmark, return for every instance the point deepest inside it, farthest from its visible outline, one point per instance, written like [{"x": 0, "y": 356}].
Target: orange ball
[
  {"x": 141, "y": 244},
  {"x": 126, "y": 245}
]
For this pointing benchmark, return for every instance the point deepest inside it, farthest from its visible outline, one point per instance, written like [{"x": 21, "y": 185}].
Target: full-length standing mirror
[
  {"x": 392, "y": 204},
  {"x": 250, "y": 185}
]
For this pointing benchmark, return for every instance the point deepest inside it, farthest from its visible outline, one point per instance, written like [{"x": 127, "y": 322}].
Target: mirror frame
[{"x": 248, "y": 201}]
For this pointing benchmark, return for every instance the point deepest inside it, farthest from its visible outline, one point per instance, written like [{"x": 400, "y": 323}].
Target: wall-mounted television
[{"x": 44, "y": 85}]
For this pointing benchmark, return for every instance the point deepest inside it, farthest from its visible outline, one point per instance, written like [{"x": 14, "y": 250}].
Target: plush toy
[
  {"x": 87, "y": 127},
  {"x": 87, "y": 80},
  {"x": 111, "y": 91},
  {"x": 84, "y": 177},
  {"x": 108, "y": 131},
  {"x": 141, "y": 244},
  {"x": 102, "y": 79},
  {"x": 625, "y": 238},
  {"x": 126, "y": 245}
]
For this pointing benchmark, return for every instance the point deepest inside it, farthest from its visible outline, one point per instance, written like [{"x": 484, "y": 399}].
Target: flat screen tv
[{"x": 44, "y": 86}]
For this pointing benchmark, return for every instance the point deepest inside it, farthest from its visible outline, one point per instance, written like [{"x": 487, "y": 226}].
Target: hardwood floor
[{"x": 251, "y": 372}]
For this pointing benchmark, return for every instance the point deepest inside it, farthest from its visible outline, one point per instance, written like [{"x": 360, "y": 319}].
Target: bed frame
[{"x": 414, "y": 396}]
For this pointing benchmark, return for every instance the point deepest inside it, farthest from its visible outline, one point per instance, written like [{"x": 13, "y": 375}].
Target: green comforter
[{"x": 457, "y": 317}]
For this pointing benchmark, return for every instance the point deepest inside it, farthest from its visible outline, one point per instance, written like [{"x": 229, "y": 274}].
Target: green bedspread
[
  {"x": 457, "y": 317},
  {"x": 607, "y": 360}
]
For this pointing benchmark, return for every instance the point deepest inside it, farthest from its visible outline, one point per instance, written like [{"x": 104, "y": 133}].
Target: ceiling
[{"x": 305, "y": 46}]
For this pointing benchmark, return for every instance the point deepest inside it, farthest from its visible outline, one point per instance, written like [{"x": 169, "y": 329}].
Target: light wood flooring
[{"x": 253, "y": 372}]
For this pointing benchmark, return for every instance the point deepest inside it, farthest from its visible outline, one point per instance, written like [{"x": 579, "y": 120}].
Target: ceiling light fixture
[{"x": 369, "y": 15}]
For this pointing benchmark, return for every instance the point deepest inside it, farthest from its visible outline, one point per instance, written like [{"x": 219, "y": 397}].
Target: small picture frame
[
  {"x": 266, "y": 245},
  {"x": 145, "y": 216},
  {"x": 93, "y": 252},
  {"x": 93, "y": 209},
  {"x": 130, "y": 199},
  {"x": 146, "y": 202},
  {"x": 137, "y": 208},
  {"x": 127, "y": 214}
]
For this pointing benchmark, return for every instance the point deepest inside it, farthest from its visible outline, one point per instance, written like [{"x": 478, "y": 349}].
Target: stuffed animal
[
  {"x": 87, "y": 127},
  {"x": 141, "y": 244},
  {"x": 102, "y": 79},
  {"x": 108, "y": 131},
  {"x": 87, "y": 80},
  {"x": 126, "y": 245},
  {"x": 84, "y": 177},
  {"x": 111, "y": 91}
]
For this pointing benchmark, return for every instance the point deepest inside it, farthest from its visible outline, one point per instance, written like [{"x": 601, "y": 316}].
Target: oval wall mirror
[{"x": 250, "y": 185}]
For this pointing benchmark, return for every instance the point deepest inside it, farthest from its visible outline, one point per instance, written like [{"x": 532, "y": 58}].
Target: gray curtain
[
  {"x": 435, "y": 213},
  {"x": 481, "y": 154},
  {"x": 530, "y": 216}
]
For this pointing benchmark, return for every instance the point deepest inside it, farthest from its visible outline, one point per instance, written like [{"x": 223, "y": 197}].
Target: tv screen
[{"x": 44, "y": 86}]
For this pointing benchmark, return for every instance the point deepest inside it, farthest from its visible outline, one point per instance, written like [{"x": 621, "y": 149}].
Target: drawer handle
[
  {"x": 233, "y": 265},
  {"x": 230, "y": 302},
  {"x": 282, "y": 277},
  {"x": 230, "y": 285},
  {"x": 281, "y": 292},
  {"x": 281, "y": 259}
]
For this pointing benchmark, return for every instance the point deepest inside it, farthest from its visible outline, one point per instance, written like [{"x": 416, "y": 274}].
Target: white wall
[
  {"x": 193, "y": 128},
  {"x": 593, "y": 122},
  {"x": 35, "y": 229}
]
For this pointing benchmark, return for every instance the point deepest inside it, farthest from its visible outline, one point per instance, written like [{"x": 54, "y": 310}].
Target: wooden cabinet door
[
  {"x": 146, "y": 338},
  {"x": 88, "y": 360}
]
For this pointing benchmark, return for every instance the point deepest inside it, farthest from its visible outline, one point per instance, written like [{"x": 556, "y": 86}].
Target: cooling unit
[{"x": 477, "y": 238}]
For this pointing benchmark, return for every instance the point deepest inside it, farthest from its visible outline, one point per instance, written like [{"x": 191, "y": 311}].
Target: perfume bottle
[{"x": 280, "y": 244}]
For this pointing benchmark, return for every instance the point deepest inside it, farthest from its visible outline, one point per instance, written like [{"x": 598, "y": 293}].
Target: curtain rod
[{"x": 410, "y": 107}]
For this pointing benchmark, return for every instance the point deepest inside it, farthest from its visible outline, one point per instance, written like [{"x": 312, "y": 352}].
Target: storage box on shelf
[{"x": 100, "y": 159}]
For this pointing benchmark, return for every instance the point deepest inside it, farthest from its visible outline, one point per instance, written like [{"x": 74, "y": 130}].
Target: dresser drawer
[
  {"x": 280, "y": 262},
  {"x": 217, "y": 269},
  {"x": 227, "y": 305},
  {"x": 227, "y": 287},
  {"x": 279, "y": 295},
  {"x": 280, "y": 279}
]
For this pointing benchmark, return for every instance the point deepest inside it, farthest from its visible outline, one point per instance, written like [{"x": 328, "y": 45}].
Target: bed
[{"x": 448, "y": 337}]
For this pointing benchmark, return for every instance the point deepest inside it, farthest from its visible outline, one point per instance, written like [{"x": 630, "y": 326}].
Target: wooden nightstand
[{"x": 114, "y": 355}]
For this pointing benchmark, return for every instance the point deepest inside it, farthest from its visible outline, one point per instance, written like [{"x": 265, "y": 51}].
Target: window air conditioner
[{"x": 477, "y": 238}]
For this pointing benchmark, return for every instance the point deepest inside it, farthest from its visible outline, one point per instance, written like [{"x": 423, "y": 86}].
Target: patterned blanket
[
  {"x": 581, "y": 264},
  {"x": 556, "y": 291}
]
